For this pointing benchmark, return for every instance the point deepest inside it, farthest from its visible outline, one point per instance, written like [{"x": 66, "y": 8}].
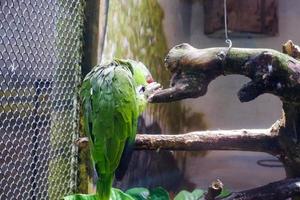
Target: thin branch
[
  {"x": 261, "y": 140},
  {"x": 279, "y": 190}
]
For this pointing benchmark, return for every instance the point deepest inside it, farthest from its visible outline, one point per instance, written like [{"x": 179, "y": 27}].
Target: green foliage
[
  {"x": 81, "y": 197},
  {"x": 132, "y": 194},
  {"x": 225, "y": 192},
  {"x": 140, "y": 193},
  {"x": 185, "y": 195},
  {"x": 116, "y": 194},
  {"x": 145, "y": 194},
  {"x": 159, "y": 194}
]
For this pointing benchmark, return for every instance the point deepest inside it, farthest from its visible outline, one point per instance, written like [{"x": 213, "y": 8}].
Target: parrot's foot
[{"x": 151, "y": 89}]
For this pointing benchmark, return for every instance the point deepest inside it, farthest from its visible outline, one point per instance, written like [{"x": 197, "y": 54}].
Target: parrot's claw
[
  {"x": 170, "y": 94},
  {"x": 151, "y": 89}
]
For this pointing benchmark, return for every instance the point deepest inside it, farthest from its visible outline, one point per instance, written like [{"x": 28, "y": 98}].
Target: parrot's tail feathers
[
  {"x": 104, "y": 185},
  {"x": 125, "y": 160}
]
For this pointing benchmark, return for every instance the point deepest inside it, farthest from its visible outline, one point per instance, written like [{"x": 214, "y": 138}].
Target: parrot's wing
[{"x": 110, "y": 114}]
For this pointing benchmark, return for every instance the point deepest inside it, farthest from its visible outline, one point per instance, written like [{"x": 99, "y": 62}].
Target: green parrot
[{"x": 113, "y": 96}]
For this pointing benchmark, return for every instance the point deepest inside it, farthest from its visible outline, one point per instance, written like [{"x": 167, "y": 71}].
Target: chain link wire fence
[{"x": 40, "y": 55}]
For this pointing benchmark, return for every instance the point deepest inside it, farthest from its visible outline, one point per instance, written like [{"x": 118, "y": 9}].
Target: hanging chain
[{"x": 227, "y": 40}]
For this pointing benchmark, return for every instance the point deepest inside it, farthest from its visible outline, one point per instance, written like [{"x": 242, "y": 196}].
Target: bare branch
[{"x": 262, "y": 140}]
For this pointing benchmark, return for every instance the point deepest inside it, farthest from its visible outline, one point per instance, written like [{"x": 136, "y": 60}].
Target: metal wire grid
[{"x": 40, "y": 52}]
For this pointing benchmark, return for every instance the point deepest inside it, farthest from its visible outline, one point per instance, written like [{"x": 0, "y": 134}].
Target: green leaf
[
  {"x": 117, "y": 194},
  {"x": 81, "y": 197},
  {"x": 159, "y": 194},
  {"x": 225, "y": 192},
  {"x": 139, "y": 193},
  {"x": 185, "y": 195}
]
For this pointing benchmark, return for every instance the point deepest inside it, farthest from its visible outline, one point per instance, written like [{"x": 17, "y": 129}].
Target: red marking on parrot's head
[{"x": 149, "y": 79}]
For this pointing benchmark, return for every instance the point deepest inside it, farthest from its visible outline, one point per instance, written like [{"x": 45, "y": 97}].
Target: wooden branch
[
  {"x": 193, "y": 69},
  {"x": 214, "y": 190},
  {"x": 270, "y": 72},
  {"x": 261, "y": 140},
  {"x": 279, "y": 190}
]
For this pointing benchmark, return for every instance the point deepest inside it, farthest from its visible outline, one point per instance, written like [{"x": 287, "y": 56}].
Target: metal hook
[{"x": 227, "y": 40}]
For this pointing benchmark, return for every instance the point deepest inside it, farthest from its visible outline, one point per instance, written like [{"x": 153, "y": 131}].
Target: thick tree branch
[
  {"x": 261, "y": 140},
  {"x": 193, "y": 69},
  {"x": 279, "y": 190}
]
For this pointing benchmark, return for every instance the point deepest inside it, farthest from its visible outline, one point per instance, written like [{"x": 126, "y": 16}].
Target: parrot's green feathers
[
  {"x": 139, "y": 70},
  {"x": 111, "y": 105}
]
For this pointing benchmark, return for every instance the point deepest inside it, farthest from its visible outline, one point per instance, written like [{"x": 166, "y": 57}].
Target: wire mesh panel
[{"x": 40, "y": 52}]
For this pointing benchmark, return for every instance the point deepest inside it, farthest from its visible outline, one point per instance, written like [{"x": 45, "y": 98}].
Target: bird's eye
[{"x": 142, "y": 89}]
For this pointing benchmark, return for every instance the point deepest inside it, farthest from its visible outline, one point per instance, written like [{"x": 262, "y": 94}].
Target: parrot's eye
[{"x": 142, "y": 89}]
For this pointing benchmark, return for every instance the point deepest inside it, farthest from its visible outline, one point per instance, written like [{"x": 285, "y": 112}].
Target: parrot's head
[
  {"x": 144, "y": 82},
  {"x": 141, "y": 74},
  {"x": 143, "y": 79}
]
